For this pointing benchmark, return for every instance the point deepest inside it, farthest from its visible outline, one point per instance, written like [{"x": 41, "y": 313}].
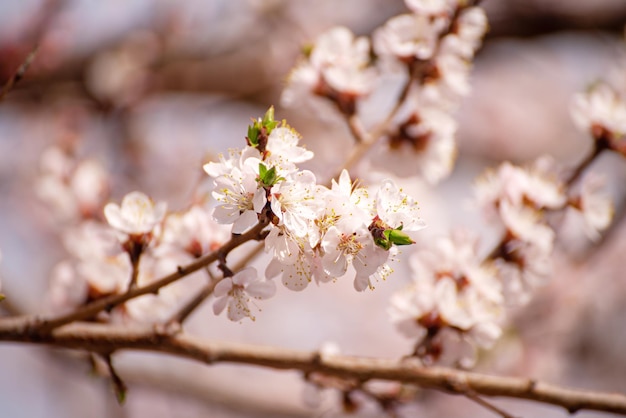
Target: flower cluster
[
  {"x": 431, "y": 50},
  {"x": 454, "y": 303},
  {"x": 138, "y": 245},
  {"x": 457, "y": 298},
  {"x": 517, "y": 198},
  {"x": 434, "y": 45},
  {"x": 72, "y": 188},
  {"x": 337, "y": 67},
  {"x": 315, "y": 232},
  {"x": 601, "y": 112}
]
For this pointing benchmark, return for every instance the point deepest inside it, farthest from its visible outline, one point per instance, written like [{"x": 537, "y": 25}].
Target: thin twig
[
  {"x": 19, "y": 73},
  {"x": 99, "y": 337},
  {"x": 369, "y": 139},
  {"x": 119, "y": 386},
  {"x": 197, "y": 300},
  {"x": 487, "y": 405}
]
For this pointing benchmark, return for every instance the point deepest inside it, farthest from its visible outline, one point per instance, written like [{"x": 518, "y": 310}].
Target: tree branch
[
  {"x": 99, "y": 337},
  {"x": 19, "y": 73}
]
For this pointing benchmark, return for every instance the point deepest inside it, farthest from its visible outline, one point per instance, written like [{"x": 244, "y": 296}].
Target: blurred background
[{"x": 151, "y": 89}]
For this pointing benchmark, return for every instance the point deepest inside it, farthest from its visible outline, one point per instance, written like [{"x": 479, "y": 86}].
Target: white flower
[
  {"x": 343, "y": 61},
  {"x": 470, "y": 27},
  {"x": 421, "y": 142},
  {"x": 355, "y": 247},
  {"x": 595, "y": 205},
  {"x": 292, "y": 201},
  {"x": 239, "y": 198},
  {"x": 344, "y": 204},
  {"x": 234, "y": 293},
  {"x": 283, "y": 149},
  {"x": 338, "y": 64},
  {"x": 137, "y": 214},
  {"x": 431, "y": 7},
  {"x": 601, "y": 107},
  {"x": 90, "y": 186},
  {"x": 396, "y": 209},
  {"x": 107, "y": 275},
  {"x": 73, "y": 189},
  {"x": 525, "y": 268},
  {"x": 297, "y": 275},
  {"x": 533, "y": 187},
  {"x": 527, "y": 225},
  {"x": 453, "y": 71},
  {"x": 194, "y": 231},
  {"x": 408, "y": 36}
]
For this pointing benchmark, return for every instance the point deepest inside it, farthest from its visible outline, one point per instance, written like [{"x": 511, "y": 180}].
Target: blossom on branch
[
  {"x": 601, "y": 111},
  {"x": 452, "y": 293},
  {"x": 235, "y": 293}
]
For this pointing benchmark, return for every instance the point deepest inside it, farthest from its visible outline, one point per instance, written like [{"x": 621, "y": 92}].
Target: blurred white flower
[
  {"x": 74, "y": 189},
  {"x": 594, "y": 205},
  {"x": 194, "y": 231},
  {"x": 408, "y": 37},
  {"x": 524, "y": 268},
  {"x": 432, "y": 7},
  {"x": 451, "y": 291},
  {"x": 599, "y": 110},
  {"x": 136, "y": 216},
  {"x": 470, "y": 27},
  {"x": 338, "y": 65}
]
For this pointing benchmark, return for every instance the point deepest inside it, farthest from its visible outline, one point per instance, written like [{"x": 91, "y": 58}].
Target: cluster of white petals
[
  {"x": 592, "y": 205},
  {"x": 338, "y": 64},
  {"x": 235, "y": 293},
  {"x": 136, "y": 216},
  {"x": 436, "y": 45},
  {"x": 453, "y": 304},
  {"x": 518, "y": 197},
  {"x": 601, "y": 108},
  {"x": 73, "y": 189},
  {"x": 316, "y": 233},
  {"x": 422, "y": 143}
]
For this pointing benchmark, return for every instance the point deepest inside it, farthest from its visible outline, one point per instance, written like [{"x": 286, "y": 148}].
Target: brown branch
[
  {"x": 365, "y": 140},
  {"x": 19, "y": 73},
  {"x": 99, "y": 337}
]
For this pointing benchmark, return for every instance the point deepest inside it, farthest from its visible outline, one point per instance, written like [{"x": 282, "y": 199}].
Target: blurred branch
[
  {"x": 109, "y": 338},
  {"x": 19, "y": 73}
]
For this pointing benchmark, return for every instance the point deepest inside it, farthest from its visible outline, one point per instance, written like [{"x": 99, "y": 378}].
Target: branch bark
[{"x": 110, "y": 338}]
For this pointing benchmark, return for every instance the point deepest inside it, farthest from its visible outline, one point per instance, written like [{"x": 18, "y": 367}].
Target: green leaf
[
  {"x": 253, "y": 135},
  {"x": 268, "y": 121},
  {"x": 268, "y": 177},
  {"x": 383, "y": 243},
  {"x": 269, "y": 116},
  {"x": 398, "y": 237}
]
